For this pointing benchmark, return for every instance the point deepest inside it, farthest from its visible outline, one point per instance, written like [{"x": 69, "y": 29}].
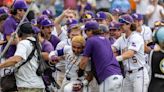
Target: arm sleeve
[{"x": 88, "y": 48}]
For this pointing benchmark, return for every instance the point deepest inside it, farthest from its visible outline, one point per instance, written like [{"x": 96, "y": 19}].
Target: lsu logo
[{"x": 162, "y": 65}]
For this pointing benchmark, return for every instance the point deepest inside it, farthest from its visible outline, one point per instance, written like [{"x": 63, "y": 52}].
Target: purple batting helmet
[{"x": 20, "y": 4}]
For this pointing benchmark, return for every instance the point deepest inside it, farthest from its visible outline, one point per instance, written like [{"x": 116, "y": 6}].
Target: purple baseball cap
[
  {"x": 114, "y": 25},
  {"x": 91, "y": 25},
  {"x": 88, "y": 15},
  {"x": 117, "y": 11},
  {"x": 48, "y": 13},
  {"x": 40, "y": 18},
  {"x": 101, "y": 15},
  {"x": 47, "y": 22},
  {"x": 4, "y": 10},
  {"x": 20, "y": 4},
  {"x": 137, "y": 16},
  {"x": 71, "y": 27},
  {"x": 126, "y": 19},
  {"x": 71, "y": 21}
]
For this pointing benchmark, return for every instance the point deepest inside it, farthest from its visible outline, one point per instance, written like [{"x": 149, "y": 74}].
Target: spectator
[{"x": 154, "y": 13}]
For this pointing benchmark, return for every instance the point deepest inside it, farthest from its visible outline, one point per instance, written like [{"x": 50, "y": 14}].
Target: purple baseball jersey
[
  {"x": 47, "y": 46},
  {"x": 9, "y": 27},
  {"x": 102, "y": 57}
]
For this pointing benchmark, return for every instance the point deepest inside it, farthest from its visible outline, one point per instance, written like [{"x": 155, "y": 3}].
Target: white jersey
[
  {"x": 134, "y": 42},
  {"x": 146, "y": 33},
  {"x": 147, "y": 36},
  {"x": 72, "y": 62},
  {"x": 63, "y": 35}
]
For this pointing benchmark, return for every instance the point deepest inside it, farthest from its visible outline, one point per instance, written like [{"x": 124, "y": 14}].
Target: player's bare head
[{"x": 78, "y": 43}]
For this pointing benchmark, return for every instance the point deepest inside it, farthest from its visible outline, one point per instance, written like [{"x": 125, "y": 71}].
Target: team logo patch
[
  {"x": 162, "y": 65},
  {"x": 133, "y": 44}
]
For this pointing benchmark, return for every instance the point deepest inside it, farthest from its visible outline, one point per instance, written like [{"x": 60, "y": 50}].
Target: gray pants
[{"x": 22, "y": 89}]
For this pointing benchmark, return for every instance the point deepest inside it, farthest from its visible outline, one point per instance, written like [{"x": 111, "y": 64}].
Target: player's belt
[{"x": 136, "y": 70}]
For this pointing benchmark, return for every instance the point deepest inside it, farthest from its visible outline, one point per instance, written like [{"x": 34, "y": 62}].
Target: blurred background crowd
[{"x": 144, "y": 7}]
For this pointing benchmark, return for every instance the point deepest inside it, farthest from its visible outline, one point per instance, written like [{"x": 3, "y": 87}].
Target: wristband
[{"x": 119, "y": 58}]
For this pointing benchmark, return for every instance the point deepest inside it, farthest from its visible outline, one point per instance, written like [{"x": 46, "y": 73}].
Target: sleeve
[
  {"x": 47, "y": 46},
  {"x": 116, "y": 44},
  {"x": 148, "y": 35},
  {"x": 135, "y": 44},
  {"x": 88, "y": 48},
  {"x": 60, "y": 52},
  {"x": 23, "y": 51}
]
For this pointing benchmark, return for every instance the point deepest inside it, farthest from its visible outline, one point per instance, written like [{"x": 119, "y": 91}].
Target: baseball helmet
[
  {"x": 20, "y": 4},
  {"x": 158, "y": 35}
]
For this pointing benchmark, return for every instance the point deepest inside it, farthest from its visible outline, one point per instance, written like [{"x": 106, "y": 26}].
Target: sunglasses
[{"x": 121, "y": 20}]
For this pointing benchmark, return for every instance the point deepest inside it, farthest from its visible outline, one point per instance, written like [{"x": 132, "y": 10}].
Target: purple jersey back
[{"x": 102, "y": 57}]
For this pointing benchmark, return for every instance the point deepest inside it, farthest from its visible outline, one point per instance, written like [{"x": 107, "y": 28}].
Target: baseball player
[
  {"x": 72, "y": 55},
  {"x": 9, "y": 26},
  {"x": 104, "y": 65},
  {"x": 74, "y": 30},
  {"x": 131, "y": 45},
  {"x": 146, "y": 34},
  {"x": 157, "y": 64}
]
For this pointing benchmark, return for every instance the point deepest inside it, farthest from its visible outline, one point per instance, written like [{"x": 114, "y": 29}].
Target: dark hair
[
  {"x": 3, "y": 17},
  {"x": 133, "y": 27},
  {"x": 13, "y": 11},
  {"x": 31, "y": 15},
  {"x": 96, "y": 32}
]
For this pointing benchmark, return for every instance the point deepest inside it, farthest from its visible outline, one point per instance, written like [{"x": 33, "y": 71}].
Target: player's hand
[
  {"x": 54, "y": 59},
  {"x": 80, "y": 72}
]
